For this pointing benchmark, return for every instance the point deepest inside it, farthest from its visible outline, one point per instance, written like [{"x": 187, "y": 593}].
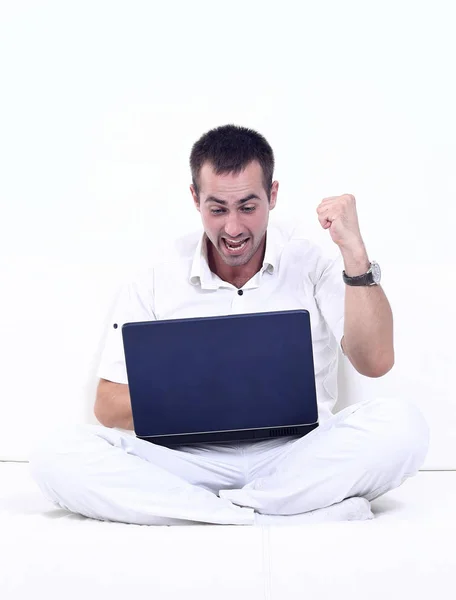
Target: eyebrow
[{"x": 241, "y": 201}]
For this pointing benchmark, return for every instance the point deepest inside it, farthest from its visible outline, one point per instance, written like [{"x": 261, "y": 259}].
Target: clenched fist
[{"x": 338, "y": 214}]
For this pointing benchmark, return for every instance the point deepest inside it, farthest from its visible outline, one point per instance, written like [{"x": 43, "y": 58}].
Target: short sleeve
[
  {"x": 330, "y": 294},
  {"x": 133, "y": 303}
]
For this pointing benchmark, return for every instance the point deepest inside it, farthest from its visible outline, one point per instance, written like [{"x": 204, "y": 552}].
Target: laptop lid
[{"x": 215, "y": 379}]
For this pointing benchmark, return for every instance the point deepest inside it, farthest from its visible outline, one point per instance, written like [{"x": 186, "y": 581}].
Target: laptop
[{"x": 221, "y": 379}]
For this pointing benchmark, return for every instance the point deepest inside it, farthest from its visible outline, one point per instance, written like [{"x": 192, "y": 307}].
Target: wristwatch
[{"x": 372, "y": 277}]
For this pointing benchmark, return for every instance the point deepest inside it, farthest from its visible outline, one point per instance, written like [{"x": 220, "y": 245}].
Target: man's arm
[
  {"x": 112, "y": 405},
  {"x": 368, "y": 320}
]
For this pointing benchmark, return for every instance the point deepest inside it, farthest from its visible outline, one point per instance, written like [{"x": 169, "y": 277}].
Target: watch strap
[{"x": 365, "y": 279}]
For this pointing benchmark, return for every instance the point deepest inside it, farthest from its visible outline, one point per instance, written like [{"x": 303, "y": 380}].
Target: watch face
[{"x": 376, "y": 272}]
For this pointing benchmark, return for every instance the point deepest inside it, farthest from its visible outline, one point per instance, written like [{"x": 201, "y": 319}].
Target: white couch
[{"x": 406, "y": 551}]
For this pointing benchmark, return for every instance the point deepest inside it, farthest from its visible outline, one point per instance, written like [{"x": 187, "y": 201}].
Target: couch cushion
[{"x": 407, "y": 551}]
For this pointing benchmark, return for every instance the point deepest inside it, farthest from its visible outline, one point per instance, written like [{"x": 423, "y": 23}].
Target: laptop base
[{"x": 229, "y": 436}]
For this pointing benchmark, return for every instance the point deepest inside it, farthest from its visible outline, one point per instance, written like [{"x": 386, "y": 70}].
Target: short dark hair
[{"x": 229, "y": 149}]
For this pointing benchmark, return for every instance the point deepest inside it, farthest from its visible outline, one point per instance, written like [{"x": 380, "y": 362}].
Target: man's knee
[
  {"x": 56, "y": 456},
  {"x": 400, "y": 428}
]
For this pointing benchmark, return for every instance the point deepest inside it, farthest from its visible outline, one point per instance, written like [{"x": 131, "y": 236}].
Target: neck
[{"x": 237, "y": 276}]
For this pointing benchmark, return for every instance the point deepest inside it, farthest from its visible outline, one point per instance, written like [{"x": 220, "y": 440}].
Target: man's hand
[{"x": 338, "y": 214}]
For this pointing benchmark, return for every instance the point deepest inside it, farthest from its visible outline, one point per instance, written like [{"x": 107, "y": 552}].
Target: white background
[{"x": 100, "y": 103}]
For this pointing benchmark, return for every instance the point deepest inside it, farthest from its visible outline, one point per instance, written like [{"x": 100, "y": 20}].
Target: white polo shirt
[{"x": 295, "y": 274}]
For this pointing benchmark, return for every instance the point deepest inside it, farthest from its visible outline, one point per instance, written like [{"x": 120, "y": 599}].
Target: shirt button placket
[{"x": 237, "y": 305}]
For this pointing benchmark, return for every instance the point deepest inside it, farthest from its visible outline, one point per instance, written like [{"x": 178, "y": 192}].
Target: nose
[{"x": 233, "y": 227}]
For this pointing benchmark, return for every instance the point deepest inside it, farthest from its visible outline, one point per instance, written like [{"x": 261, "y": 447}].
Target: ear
[
  {"x": 195, "y": 197},
  {"x": 274, "y": 191}
]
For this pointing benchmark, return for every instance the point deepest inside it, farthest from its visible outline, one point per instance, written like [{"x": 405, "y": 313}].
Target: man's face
[{"x": 234, "y": 211}]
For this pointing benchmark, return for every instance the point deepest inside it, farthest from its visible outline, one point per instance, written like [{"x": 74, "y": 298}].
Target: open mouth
[{"x": 235, "y": 247}]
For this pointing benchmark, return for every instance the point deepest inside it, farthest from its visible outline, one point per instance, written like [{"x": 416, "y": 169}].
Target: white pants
[{"x": 365, "y": 450}]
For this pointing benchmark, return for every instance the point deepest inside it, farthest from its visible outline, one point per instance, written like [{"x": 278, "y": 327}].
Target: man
[{"x": 240, "y": 265}]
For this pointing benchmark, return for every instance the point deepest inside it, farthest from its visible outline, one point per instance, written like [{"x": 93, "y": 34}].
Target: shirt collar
[{"x": 201, "y": 274}]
